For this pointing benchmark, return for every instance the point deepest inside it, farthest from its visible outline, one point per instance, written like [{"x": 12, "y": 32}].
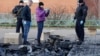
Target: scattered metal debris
[{"x": 55, "y": 46}]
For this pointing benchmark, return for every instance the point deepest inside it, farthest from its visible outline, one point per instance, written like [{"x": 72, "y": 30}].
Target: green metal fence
[
  {"x": 70, "y": 23},
  {"x": 7, "y": 20},
  {"x": 54, "y": 23}
]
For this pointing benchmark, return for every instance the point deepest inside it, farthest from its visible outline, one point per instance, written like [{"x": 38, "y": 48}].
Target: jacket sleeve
[
  {"x": 85, "y": 9},
  {"x": 23, "y": 14},
  {"x": 40, "y": 13},
  {"x": 75, "y": 16},
  {"x": 46, "y": 14},
  {"x": 15, "y": 10}
]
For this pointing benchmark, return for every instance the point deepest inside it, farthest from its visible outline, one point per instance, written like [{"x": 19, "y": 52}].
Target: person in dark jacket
[
  {"x": 26, "y": 16},
  {"x": 17, "y": 12},
  {"x": 41, "y": 13},
  {"x": 80, "y": 17}
]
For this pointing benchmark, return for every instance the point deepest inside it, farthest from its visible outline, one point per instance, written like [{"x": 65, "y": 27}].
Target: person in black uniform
[
  {"x": 17, "y": 12},
  {"x": 80, "y": 15}
]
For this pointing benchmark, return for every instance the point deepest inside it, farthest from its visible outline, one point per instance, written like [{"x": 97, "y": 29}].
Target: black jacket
[
  {"x": 17, "y": 10},
  {"x": 26, "y": 13},
  {"x": 81, "y": 12}
]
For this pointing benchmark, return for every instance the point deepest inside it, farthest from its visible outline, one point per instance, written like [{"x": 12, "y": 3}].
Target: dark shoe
[
  {"x": 26, "y": 43},
  {"x": 79, "y": 42},
  {"x": 39, "y": 43}
]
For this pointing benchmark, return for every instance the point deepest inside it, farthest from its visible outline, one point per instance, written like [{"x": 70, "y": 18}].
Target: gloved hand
[
  {"x": 47, "y": 10},
  {"x": 81, "y": 22},
  {"x": 24, "y": 22}
]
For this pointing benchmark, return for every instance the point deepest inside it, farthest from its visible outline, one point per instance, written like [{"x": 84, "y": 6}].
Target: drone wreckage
[{"x": 55, "y": 46}]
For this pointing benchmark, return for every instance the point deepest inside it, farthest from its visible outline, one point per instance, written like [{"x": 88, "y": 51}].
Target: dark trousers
[
  {"x": 80, "y": 31},
  {"x": 19, "y": 25},
  {"x": 40, "y": 29}
]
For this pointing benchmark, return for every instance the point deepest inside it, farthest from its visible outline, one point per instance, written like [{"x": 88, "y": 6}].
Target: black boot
[{"x": 26, "y": 43}]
